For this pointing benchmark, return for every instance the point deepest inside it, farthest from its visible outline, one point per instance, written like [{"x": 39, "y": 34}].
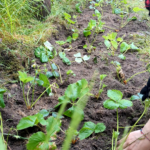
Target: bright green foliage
[
  {"x": 78, "y": 8},
  {"x": 61, "y": 42},
  {"x": 137, "y": 9},
  {"x": 31, "y": 121},
  {"x": 116, "y": 100},
  {"x": 121, "y": 56},
  {"x": 75, "y": 36},
  {"x": 90, "y": 127},
  {"x": 64, "y": 58},
  {"x": 68, "y": 18},
  {"x": 125, "y": 47},
  {"x": 44, "y": 54},
  {"x": 42, "y": 141},
  {"x": 73, "y": 91},
  {"x": 24, "y": 77},
  {"x": 2, "y": 104}
]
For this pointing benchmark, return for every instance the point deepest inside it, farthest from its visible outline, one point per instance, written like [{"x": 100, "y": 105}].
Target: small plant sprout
[
  {"x": 42, "y": 81},
  {"x": 90, "y": 127},
  {"x": 79, "y": 58},
  {"x": 115, "y": 101},
  {"x": 69, "y": 73},
  {"x": 65, "y": 60},
  {"x": 68, "y": 18},
  {"x": 119, "y": 71},
  {"x": 101, "y": 85}
]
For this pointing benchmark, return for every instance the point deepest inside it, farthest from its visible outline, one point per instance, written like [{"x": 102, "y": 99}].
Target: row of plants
[{"x": 76, "y": 95}]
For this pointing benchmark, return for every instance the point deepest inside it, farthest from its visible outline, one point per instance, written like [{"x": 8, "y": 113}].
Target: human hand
[{"x": 135, "y": 141}]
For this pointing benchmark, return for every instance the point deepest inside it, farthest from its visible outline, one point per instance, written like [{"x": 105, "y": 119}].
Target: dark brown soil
[{"x": 15, "y": 107}]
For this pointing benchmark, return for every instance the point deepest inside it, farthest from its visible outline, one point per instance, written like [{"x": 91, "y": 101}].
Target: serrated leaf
[
  {"x": 26, "y": 122},
  {"x": 86, "y": 32},
  {"x": 44, "y": 78},
  {"x": 125, "y": 103},
  {"x": 119, "y": 39},
  {"x": 62, "y": 55},
  {"x": 115, "y": 95},
  {"x": 87, "y": 129},
  {"x": 54, "y": 67},
  {"x": 132, "y": 46},
  {"x": 36, "y": 140},
  {"x": 110, "y": 104},
  {"x": 38, "y": 51},
  {"x": 100, "y": 127},
  {"x": 55, "y": 74}
]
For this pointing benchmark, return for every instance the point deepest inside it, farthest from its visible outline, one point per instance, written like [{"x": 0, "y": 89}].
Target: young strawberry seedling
[
  {"x": 79, "y": 58},
  {"x": 116, "y": 102}
]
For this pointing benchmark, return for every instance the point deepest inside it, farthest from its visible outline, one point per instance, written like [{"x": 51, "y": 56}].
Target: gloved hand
[{"x": 146, "y": 91}]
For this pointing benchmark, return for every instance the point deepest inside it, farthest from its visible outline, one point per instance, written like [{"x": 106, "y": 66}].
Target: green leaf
[
  {"x": 49, "y": 74},
  {"x": 36, "y": 140},
  {"x": 66, "y": 61},
  {"x": 102, "y": 76},
  {"x": 132, "y": 46},
  {"x": 75, "y": 36},
  {"x": 136, "y": 97},
  {"x": 69, "y": 72},
  {"x": 117, "y": 11},
  {"x": 53, "y": 126},
  {"x": 54, "y": 67},
  {"x": 43, "y": 57},
  {"x": 55, "y": 74},
  {"x": 2, "y": 91},
  {"x": 110, "y": 104},
  {"x": 62, "y": 55},
  {"x": 124, "y": 47},
  {"x": 92, "y": 24},
  {"x": 85, "y": 46},
  {"x": 107, "y": 43},
  {"x": 100, "y": 127},
  {"x": 121, "y": 56},
  {"x": 78, "y": 8},
  {"x": 38, "y": 51},
  {"x": 115, "y": 95},
  {"x": 77, "y": 55},
  {"x": 26, "y": 122},
  {"x": 61, "y": 42},
  {"x": 78, "y": 60},
  {"x": 2, "y": 104},
  {"x": 125, "y": 103},
  {"x": 44, "y": 78},
  {"x": 24, "y": 78},
  {"x": 87, "y": 129},
  {"x": 69, "y": 39},
  {"x": 114, "y": 44},
  {"x": 44, "y": 112},
  {"x": 71, "y": 110},
  {"x": 85, "y": 57},
  {"x": 136, "y": 9},
  {"x": 119, "y": 39},
  {"x": 2, "y": 143},
  {"x": 86, "y": 32}
]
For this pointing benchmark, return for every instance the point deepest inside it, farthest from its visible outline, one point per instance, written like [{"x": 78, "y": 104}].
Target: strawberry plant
[
  {"x": 115, "y": 101},
  {"x": 42, "y": 81},
  {"x": 101, "y": 85},
  {"x": 73, "y": 92},
  {"x": 68, "y": 18},
  {"x": 90, "y": 127}
]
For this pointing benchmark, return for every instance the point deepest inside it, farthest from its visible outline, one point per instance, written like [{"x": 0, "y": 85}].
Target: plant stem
[
  {"x": 41, "y": 129},
  {"x": 135, "y": 75},
  {"x": 136, "y": 122},
  {"x": 117, "y": 130},
  {"x": 112, "y": 141},
  {"x": 24, "y": 94},
  {"x": 40, "y": 96},
  {"x": 33, "y": 88}
]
